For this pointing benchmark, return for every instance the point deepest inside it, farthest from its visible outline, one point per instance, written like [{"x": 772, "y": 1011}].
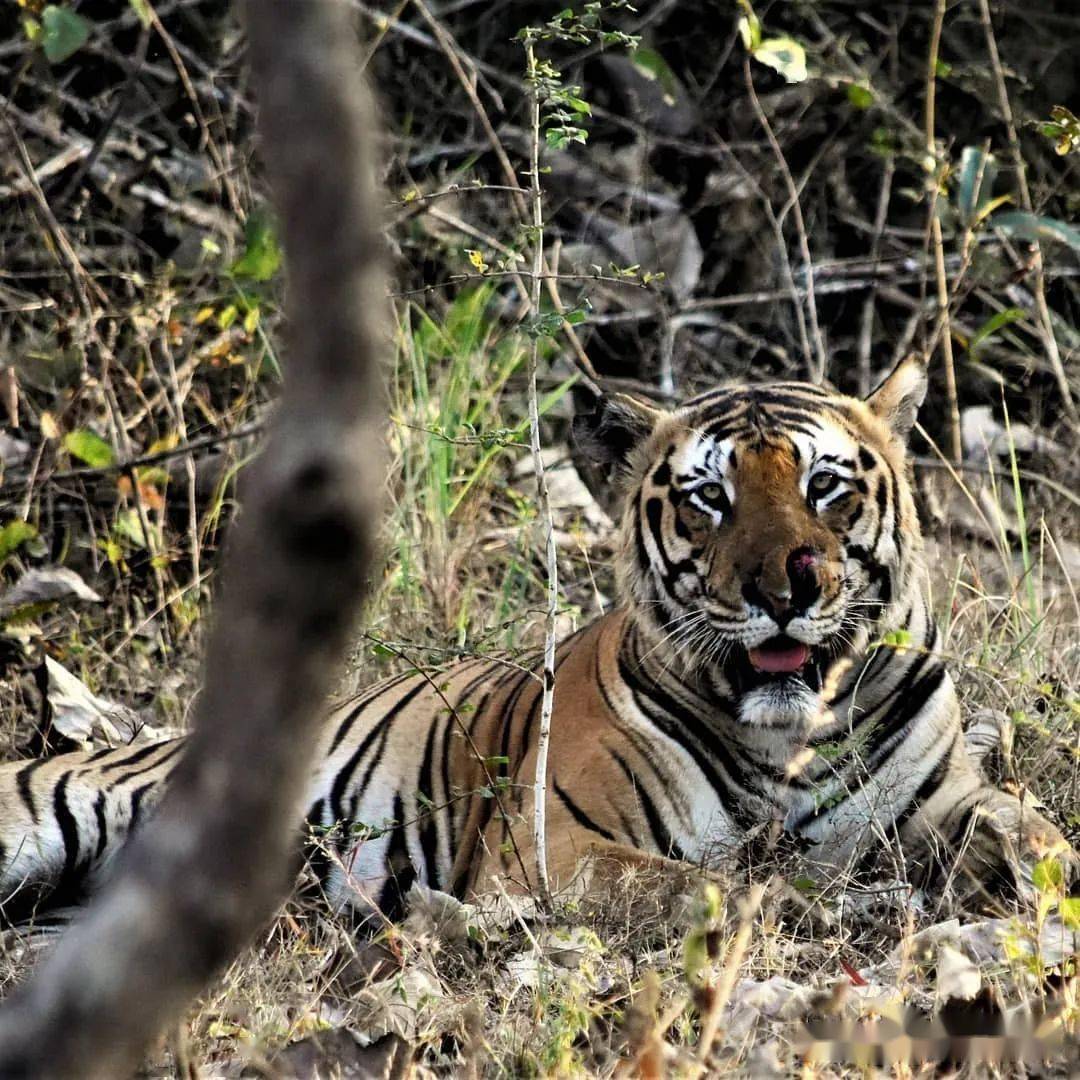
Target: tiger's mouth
[
  {"x": 779, "y": 655},
  {"x": 778, "y": 658}
]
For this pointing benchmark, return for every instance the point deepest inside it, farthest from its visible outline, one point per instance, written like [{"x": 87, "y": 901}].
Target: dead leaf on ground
[
  {"x": 91, "y": 721},
  {"x": 45, "y": 585}
]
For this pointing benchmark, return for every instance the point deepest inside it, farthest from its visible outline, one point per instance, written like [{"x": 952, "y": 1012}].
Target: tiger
[{"x": 768, "y": 551}]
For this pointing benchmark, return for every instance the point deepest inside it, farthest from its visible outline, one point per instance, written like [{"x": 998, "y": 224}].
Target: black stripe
[
  {"x": 400, "y": 872},
  {"x": 23, "y": 786},
  {"x": 908, "y": 707},
  {"x": 578, "y": 814},
  {"x": 654, "y": 512},
  {"x": 664, "y": 842},
  {"x": 373, "y": 764},
  {"x": 925, "y": 790},
  {"x": 928, "y": 787},
  {"x": 534, "y": 711},
  {"x": 172, "y": 752},
  {"x": 102, "y": 825},
  {"x": 526, "y": 679},
  {"x": 429, "y": 828},
  {"x": 687, "y": 730},
  {"x": 69, "y": 831},
  {"x": 317, "y": 850},
  {"x": 639, "y": 538},
  {"x": 132, "y": 759},
  {"x": 344, "y": 775},
  {"x": 137, "y": 797},
  {"x": 452, "y": 725},
  {"x": 372, "y": 695}
]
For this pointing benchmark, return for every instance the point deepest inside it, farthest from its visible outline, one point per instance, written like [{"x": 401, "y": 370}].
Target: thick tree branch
[{"x": 217, "y": 858}]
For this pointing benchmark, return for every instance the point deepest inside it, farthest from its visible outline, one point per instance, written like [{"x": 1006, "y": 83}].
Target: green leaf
[
  {"x": 1028, "y": 226},
  {"x": 13, "y": 535},
  {"x": 1070, "y": 912},
  {"x": 785, "y": 55},
  {"x": 695, "y": 956},
  {"x": 1047, "y": 875},
  {"x": 63, "y": 33},
  {"x": 654, "y": 67},
  {"x": 262, "y": 253},
  {"x": 749, "y": 27},
  {"x": 142, "y": 10},
  {"x": 89, "y": 448},
  {"x": 994, "y": 324},
  {"x": 978, "y": 170},
  {"x": 128, "y": 526},
  {"x": 860, "y": 97}
]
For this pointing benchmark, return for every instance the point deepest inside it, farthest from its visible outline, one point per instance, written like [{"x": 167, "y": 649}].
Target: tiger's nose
[
  {"x": 785, "y": 586},
  {"x": 802, "y": 573}
]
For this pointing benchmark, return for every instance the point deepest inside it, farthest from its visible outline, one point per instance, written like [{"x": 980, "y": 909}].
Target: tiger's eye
[
  {"x": 821, "y": 483},
  {"x": 711, "y": 492}
]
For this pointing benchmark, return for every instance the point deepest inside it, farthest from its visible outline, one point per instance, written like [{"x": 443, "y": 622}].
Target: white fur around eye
[{"x": 839, "y": 486}]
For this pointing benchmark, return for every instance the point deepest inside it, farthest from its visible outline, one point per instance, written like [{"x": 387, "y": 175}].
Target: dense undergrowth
[{"x": 140, "y": 283}]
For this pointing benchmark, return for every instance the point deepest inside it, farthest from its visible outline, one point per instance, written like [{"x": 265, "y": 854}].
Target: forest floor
[{"x": 141, "y": 285}]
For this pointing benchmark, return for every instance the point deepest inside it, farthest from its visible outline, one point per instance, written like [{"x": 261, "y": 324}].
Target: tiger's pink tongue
[{"x": 777, "y": 660}]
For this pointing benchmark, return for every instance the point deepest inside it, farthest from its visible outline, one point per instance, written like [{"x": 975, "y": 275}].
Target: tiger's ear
[
  {"x": 617, "y": 423},
  {"x": 898, "y": 398}
]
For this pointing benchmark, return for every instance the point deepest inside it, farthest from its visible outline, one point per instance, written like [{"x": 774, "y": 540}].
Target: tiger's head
[{"x": 768, "y": 531}]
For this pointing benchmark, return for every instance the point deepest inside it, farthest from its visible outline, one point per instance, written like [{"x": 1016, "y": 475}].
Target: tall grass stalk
[{"x": 547, "y": 703}]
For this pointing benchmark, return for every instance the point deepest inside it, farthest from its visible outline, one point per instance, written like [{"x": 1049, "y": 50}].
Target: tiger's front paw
[{"x": 1020, "y": 850}]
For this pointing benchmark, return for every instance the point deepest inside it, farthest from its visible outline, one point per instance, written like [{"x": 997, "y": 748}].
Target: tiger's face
[{"x": 768, "y": 530}]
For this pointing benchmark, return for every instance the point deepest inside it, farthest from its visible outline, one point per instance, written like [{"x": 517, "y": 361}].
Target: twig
[
  {"x": 1019, "y": 166},
  {"x": 107, "y": 125},
  {"x": 922, "y": 462},
  {"x": 547, "y": 701},
  {"x": 528, "y": 275},
  {"x": 866, "y": 325},
  {"x": 490, "y": 781},
  {"x": 818, "y": 368},
  {"x": 65, "y": 253},
  {"x": 590, "y": 376},
  {"x": 721, "y": 994},
  {"x": 456, "y": 59},
  {"x": 91, "y": 471},
  {"x": 951, "y": 400},
  {"x": 204, "y": 128}
]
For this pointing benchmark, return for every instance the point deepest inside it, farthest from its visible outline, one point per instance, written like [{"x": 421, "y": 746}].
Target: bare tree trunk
[{"x": 217, "y": 858}]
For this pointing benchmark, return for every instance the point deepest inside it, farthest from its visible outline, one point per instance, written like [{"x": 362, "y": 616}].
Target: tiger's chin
[{"x": 782, "y": 702}]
